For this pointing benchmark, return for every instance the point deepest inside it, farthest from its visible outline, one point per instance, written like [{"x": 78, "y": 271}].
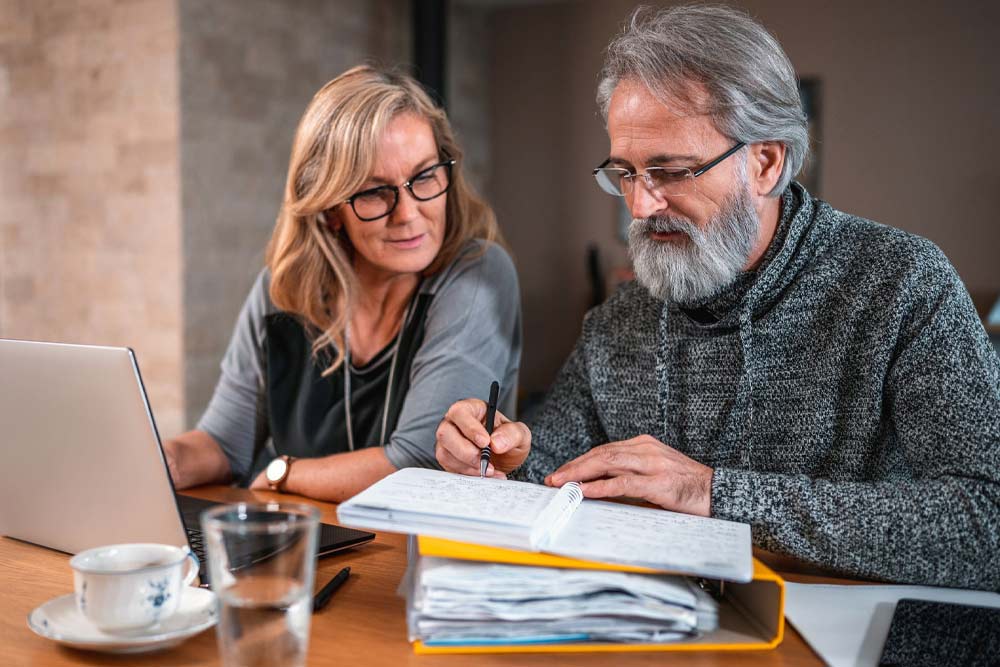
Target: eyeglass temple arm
[{"x": 705, "y": 167}]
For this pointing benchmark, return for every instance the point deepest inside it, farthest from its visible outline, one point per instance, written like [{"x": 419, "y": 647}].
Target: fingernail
[
  {"x": 499, "y": 441},
  {"x": 490, "y": 470}
]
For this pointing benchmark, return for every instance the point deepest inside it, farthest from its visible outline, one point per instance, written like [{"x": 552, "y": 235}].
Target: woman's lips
[{"x": 408, "y": 243}]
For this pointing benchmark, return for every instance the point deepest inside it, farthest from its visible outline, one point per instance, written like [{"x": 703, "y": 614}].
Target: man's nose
[{"x": 644, "y": 202}]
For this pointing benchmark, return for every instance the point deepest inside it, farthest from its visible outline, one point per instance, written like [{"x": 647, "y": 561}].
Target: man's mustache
[{"x": 663, "y": 224}]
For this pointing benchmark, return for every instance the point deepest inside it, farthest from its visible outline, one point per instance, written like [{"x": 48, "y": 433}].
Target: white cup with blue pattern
[{"x": 130, "y": 587}]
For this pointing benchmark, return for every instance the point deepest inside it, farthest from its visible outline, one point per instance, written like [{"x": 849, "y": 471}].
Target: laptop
[{"x": 81, "y": 463}]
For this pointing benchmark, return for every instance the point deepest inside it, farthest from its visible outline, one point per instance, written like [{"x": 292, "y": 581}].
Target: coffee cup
[{"x": 128, "y": 587}]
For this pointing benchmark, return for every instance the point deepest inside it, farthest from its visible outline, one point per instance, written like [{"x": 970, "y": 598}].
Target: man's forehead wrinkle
[{"x": 682, "y": 99}]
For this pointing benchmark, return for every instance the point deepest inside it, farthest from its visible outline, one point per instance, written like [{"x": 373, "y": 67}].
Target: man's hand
[
  {"x": 461, "y": 435},
  {"x": 644, "y": 468}
]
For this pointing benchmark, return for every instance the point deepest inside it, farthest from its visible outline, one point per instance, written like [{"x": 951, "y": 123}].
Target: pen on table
[
  {"x": 323, "y": 597},
  {"x": 491, "y": 414}
]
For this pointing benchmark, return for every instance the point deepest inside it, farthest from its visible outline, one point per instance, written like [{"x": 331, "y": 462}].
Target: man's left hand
[{"x": 643, "y": 468}]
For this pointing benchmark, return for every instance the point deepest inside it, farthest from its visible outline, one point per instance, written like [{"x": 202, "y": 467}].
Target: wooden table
[{"x": 363, "y": 625}]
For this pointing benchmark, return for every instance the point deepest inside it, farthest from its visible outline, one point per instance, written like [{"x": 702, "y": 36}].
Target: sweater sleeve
[
  {"x": 236, "y": 417},
  {"x": 472, "y": 336},
  {"x": 942, "y": 412},
  {"x": 568, "y": 424}
]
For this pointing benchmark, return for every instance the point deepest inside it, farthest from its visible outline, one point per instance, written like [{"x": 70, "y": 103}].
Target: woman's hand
[
  {"x": 195, "y": 458},
  {"x": 461, "y": 436}
]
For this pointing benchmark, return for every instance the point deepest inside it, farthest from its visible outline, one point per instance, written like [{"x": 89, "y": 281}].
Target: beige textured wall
[
  {"x": 910, "y": 93},
  {"x": 89, "y": 186}
]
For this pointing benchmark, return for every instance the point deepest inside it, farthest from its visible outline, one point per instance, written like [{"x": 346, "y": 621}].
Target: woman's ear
[{"x": 330, "y": 220}]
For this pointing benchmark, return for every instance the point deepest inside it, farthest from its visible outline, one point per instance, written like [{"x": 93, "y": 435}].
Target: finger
[
  {"x": 451, "y": 463},
  {"x": 509, "y": 436},
  {"x": 608, "y": 460},
  {"x": 614, "y": 487},
  {"x": 454, "y": 444},
  {"x": 468, "y": 416},
  {"x": 499, "y": 419}
]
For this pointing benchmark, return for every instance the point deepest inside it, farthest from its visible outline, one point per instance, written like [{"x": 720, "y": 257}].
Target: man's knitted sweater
[{"x": 845, "y": 394}]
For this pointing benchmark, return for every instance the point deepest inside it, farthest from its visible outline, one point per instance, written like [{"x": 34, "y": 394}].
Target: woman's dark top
[{"x": 464, "y": 331}]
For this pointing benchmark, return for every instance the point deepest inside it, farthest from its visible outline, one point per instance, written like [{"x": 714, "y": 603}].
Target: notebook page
[
  {"x": 444, "y": 498},
  {"x": 555, "y": 516},
  {"x": 656, "y": 538}
]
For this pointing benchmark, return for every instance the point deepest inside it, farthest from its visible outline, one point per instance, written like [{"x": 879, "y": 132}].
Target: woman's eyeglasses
[{"x": 379, "y": 202}]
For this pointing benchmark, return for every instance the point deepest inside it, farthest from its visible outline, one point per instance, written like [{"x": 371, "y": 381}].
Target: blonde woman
[{"x": 385, "y": 299}]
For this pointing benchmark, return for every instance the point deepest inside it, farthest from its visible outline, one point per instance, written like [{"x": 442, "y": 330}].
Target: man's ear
[{"x": 767, "y": 158}]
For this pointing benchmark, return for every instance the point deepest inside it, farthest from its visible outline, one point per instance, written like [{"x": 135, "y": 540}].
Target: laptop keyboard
[{"x": 196, "y": 540}]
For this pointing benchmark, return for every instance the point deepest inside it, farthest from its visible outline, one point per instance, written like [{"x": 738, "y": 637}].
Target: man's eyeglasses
[
  {"x": 672, "y": 181},
  {"x": 379, "y": 202}
]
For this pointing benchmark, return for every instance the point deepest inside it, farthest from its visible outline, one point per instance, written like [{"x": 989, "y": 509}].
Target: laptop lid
[{"x": 81, "y": 463}]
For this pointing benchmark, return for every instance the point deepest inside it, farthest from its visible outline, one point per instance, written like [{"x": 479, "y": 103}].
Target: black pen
[
  {"x": 323, "y": 597},
  {"x": 491, "y": 415}
]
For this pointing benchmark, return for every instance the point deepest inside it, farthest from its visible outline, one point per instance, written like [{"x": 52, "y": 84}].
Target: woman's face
[{"x": 409, "y": 238}]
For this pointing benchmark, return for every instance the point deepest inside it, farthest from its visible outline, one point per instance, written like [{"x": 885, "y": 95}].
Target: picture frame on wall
[{"x": 810, "y": 91}]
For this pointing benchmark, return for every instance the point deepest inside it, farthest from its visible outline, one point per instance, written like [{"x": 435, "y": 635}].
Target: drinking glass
[{"x": 261, "y": 564}]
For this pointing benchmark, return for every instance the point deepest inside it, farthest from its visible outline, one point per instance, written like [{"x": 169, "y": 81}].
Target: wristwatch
[{"x": 277, "y": 471}]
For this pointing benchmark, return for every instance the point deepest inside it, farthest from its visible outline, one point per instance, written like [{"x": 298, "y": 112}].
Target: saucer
[{"x": 60, "y": 620}]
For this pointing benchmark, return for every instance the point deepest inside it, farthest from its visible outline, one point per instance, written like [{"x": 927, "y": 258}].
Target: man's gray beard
[{"x": 709, "y": 260}]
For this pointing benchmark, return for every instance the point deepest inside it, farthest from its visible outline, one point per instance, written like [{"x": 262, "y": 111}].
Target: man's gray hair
[{"x": 753, "y": 93}]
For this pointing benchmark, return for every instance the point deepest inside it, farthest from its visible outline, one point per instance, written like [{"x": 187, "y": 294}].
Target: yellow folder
[{"x": 751, "y": 615}]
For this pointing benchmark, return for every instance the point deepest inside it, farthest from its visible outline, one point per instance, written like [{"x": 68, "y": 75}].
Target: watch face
[{"x": 276, "y": 470}]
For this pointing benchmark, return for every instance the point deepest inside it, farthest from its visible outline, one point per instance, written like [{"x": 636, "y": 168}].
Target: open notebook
[{"x": 531, "y": 517}]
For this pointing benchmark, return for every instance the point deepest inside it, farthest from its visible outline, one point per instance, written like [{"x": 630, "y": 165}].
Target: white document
[
  {"x": 848, "y": 625},
  {"x": 463, "y": 601},
  {"x": 532, "y": 517}
]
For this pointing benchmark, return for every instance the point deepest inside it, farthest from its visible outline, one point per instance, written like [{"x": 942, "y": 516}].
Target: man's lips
[
  {"x": 409, "y": 242},
  {"x": 666, "y": 236}
]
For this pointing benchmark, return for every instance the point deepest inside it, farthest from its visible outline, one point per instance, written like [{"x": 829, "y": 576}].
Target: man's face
[{"x": 685, "y": 246}]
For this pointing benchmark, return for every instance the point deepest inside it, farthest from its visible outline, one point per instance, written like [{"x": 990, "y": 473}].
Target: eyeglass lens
[
  {"x": 380, "y": 202},
  {"x": 620, "y": 182}
]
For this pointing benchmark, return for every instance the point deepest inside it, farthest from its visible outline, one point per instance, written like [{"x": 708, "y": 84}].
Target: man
[{"x": 819, "y": 376}]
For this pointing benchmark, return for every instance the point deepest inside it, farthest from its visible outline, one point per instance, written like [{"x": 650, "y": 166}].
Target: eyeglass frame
[
  {"x": 448, "y": 163},
  {"x": 695, "y": 172}
]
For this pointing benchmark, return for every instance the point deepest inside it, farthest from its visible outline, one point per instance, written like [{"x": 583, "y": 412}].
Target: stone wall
[{"x": 90, "y": 215}]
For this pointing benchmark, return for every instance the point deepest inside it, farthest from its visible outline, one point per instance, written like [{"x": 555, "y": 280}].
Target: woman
[{"x": 385, "y": 299}]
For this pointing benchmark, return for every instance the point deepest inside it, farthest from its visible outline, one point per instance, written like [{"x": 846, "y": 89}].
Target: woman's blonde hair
[{"x": 333, "y": 154}]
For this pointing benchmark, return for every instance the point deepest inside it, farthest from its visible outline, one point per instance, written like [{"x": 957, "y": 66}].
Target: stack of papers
[{"x": 457, "y": 602}]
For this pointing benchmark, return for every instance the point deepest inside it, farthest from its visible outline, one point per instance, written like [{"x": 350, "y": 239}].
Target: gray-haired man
[{"x": 819, "y": 376}]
